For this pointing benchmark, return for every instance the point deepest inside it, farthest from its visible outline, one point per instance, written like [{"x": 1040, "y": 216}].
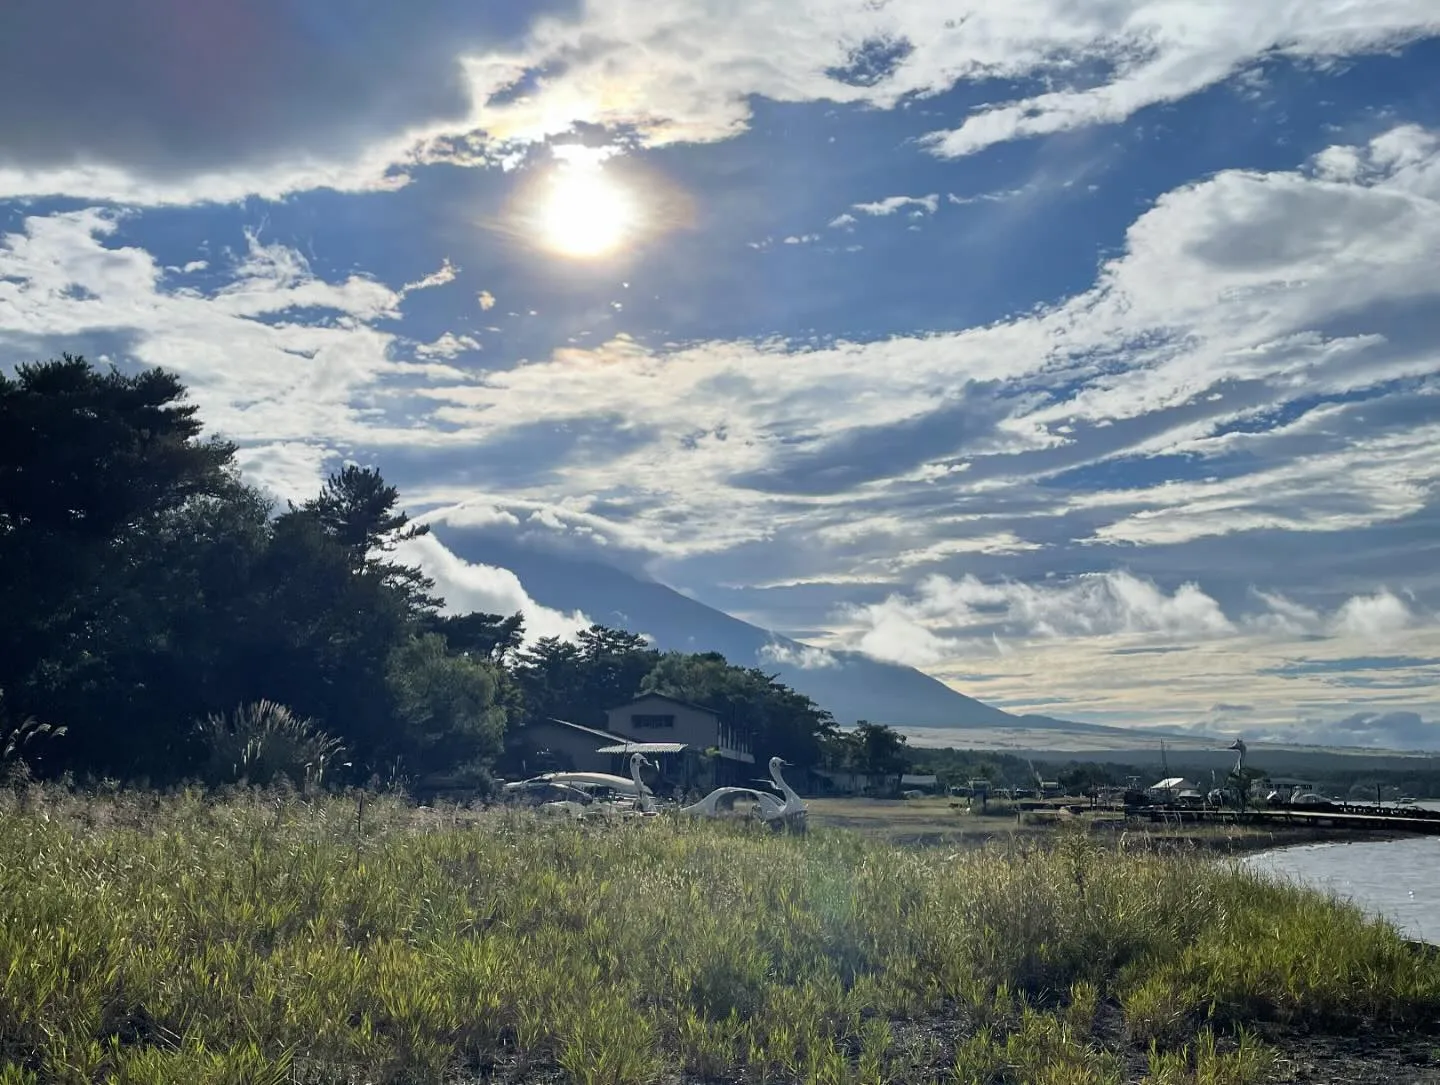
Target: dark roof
[
  {"x": 608, "y": 736},
  {"x": 667, "y": 697}
]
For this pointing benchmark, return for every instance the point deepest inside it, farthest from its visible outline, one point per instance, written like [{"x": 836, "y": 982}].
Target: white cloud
[
  {"x": 442, "y": 276},
  {"x": 944, "y": 618},
  {"x": 184, "y": 105},
  {"x": 176, "y": 125},
  {"x": 486, "y": 300},
  {"x": 274, "y": 355},
  {"x": 1223, "y": 284},
  {"x": 841, "y": 221},
  {"x": 1093, "y": 605},
  {"x": 448, "y": 345},
  {"x": 374, "y": 171},
  {"x": 1209, "y": 322},
  {"x": 1375, "y": 617},
  {"x": 1166, "y": 52},
  {"x": 804, "y": 656},
  {"x": 467, "y": 587},
  {"x": 1391, "y": 730},
  {"x": 987, "y": 197},
  {"x": 890, "y": 204},
  {"x": 679, "y": 71},
  {"x": 290, "y": 470}
]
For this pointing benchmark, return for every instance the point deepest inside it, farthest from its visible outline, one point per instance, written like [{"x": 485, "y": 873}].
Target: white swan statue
[
  {"x": 1238, "y": 745},
  {"x": 586, "y": 807},
  {"x": 643, "y": 799},
  {"x": 772, "y": 811}
]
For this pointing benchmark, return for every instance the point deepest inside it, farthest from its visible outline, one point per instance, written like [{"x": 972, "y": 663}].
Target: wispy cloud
[
  {"x": 798, "y": 655},
  {"x": 890, "y": 204},
  {"x": 945, "y": 618},
  {"x": 456, "y": 83}
]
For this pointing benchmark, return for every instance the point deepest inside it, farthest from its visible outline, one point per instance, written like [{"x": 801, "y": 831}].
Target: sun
[{"x": 585, "y": 214}]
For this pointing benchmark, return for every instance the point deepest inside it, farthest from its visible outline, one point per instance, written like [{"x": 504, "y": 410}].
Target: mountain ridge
[{"x": 855, "y": 687}]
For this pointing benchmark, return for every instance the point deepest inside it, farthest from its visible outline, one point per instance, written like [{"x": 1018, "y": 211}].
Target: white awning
[{"x": 644, "y": 747}]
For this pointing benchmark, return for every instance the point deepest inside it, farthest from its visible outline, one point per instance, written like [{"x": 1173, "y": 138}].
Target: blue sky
[{"x": 1085, "y": 355}]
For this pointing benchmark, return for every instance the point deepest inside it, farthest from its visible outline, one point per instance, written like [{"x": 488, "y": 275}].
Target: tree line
[{"x": 165, "y": 621}]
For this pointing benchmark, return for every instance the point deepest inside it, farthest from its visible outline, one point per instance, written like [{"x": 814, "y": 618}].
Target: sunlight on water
[{"x": 1396, "y": 879}]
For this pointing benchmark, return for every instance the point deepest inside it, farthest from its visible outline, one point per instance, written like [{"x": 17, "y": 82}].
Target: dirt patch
[
  {"x": 1369, "y": 1059},
  {"x": 924, "y": 1051}
]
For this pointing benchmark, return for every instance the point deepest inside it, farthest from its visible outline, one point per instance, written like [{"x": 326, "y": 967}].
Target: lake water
[{"x": 1396, "y": 879}]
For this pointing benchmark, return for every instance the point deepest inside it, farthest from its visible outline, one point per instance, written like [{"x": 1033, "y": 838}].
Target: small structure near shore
[{"x": 1171, "y": 789}]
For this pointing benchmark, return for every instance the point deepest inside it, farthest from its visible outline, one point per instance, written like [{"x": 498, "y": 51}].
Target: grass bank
[{"x": 148, "y": 939}]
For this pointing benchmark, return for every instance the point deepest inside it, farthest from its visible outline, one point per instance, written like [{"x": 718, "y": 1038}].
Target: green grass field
[{"x": 263, "y": 938}]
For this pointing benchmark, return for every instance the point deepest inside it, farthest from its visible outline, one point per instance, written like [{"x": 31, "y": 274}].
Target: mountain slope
[{"x": 856, "y": 688}]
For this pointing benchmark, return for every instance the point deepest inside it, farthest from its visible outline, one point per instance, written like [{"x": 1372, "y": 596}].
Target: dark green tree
[
  {"x": 491, "y": 637},
  {"x": 145, "y": 588},
  {"x": 448, "y": 707},
  {"x": 113, "y": 510},
  {"x": 1084, "y": 778},
  {"x": 778, "y": 720},
  {"x": 878, "y": 750},
  {"x": 359, "y": 510},
  {"x": 549, "y": 676},
  {"x": 578, "y": 682}
]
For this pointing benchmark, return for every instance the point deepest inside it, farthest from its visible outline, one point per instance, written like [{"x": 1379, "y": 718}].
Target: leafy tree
[
  {"x": 778, "y": 720},
  {"x": 86, "y": 455},
  {"x": 144, "y": 587},
  {"x": 615, "y": 663},
  {"x": 357, "y": 508},
  {"x": 549, "y": 675},
  {"x": 447, "y": 705},
  {"x": 877, "y": 749},
  {"x": 359, "y": 511},
  {"x": 1084, "y": 778},
  {"x": 577, "y": 682},
  {"x": 491, "y": 637},
  {"x": 96, "y": 470}
]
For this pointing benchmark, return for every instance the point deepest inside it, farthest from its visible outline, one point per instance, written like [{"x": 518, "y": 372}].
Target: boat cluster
[{"x": 586, "y": 795}]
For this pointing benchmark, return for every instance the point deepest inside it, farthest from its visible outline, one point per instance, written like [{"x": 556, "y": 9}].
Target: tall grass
[{"x": 268, "y": 938}]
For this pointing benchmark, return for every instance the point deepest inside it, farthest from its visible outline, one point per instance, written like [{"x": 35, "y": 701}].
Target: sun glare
[{"x": 585, "y": 214}]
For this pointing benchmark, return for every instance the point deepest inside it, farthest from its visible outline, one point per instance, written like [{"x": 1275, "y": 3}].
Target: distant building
[
  {"x": 690, "y": 743},
  {"x": 846, "y": 782},
  {"x": 912, "y": 781},
  {"x": 1171, "y": 789},
  {"x": 658, "y": 718}
]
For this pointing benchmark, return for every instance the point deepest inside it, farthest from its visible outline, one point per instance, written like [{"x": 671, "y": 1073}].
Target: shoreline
[{"x": 1257, "y": 841}]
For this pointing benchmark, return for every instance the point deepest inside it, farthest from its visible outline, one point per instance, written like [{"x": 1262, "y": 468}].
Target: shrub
[
  {"x": 264, "y": 742},
  {"x": 16, "y": 741}
]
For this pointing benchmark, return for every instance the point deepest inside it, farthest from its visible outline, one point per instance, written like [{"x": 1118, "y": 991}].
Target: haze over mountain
[{"x": 851, "y": 685}]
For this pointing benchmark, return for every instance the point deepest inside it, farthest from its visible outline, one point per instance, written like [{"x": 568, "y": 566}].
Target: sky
[{"x": 1084, "y": 354}]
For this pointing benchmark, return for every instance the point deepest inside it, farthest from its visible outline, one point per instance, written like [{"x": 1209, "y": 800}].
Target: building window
[{"x": 639, "y": 721}]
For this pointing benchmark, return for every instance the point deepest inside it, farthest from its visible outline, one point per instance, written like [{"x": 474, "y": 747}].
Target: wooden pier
[{"x": 1357, "y": 816}]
